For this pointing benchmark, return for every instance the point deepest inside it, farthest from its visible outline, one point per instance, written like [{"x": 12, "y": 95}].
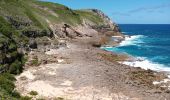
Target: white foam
[
  {"x": 125, "y": 32},
  {"x": 146, "y": 64},
  {"x": 106, "y": 47},
  {"x": 131, "y": 40},
  {"x": 160, "y": 82},
  {"x": 118, "y": 37}
]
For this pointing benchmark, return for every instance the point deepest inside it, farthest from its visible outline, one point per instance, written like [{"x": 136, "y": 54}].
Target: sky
[{"x": 126, "y": 11}]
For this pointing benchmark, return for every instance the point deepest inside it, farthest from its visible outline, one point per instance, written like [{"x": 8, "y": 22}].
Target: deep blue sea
[{"x": 148, "y": 42}]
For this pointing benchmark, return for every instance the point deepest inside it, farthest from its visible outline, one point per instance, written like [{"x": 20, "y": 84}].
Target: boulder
[{"x": 32, "y": 44}]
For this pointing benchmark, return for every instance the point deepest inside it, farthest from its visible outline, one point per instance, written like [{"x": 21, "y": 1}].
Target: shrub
[
  {"x": 59, "y": 98},
  {"x": 16, "y": 94},
  {"x": 25, "y": 98},
  {"x": 12, "y": 46},
  {"x": 15, "y": 67},
  {"x": 9, "y": 76},
  {"x": 6, "y": 83},
  {"x": 5, "y": 27},
  {"x": 33, "y": 93}
]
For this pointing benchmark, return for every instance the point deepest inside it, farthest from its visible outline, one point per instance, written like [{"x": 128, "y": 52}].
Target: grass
[
  {"x": 38, "y": 11},
  {"x": 90, "y": 16},
  {"x": 35, "y": 62}
]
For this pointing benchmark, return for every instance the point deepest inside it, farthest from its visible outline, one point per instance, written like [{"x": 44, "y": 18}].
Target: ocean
[{"x": 149, "y": 44}]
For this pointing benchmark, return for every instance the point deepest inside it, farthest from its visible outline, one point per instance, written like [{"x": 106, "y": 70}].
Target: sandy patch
[
  {"x": 28, "y": 74},
  {"x": 85, "y": 93},
  {"x": 66, "y": 83},
  {"x": 51, "y": 52},
  {"x": 44, "y": 89}
]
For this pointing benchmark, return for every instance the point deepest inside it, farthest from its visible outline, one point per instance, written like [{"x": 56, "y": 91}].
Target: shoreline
[
  {"x": 138, "y": 62},
  {"x": 135, "y": 60},
  {"x": 84, "y": 74}
]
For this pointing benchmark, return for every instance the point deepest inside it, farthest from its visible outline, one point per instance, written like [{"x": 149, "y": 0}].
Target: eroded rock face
[
  {"x": 107, "y": 21},
  {"x": 108, "y": 25},
  {"x": 19, "y": 22}
]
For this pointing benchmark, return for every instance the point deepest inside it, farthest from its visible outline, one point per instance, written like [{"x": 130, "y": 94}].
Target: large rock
[{"x": 32, "y": 44}]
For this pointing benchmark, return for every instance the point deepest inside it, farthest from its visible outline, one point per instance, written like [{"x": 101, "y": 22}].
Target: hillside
[
  {"x": 25, "y": 20},
  {"x": 32, "y": 24}
]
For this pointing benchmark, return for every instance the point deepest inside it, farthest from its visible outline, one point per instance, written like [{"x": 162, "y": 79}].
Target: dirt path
[{"x": 84, "y": 75}]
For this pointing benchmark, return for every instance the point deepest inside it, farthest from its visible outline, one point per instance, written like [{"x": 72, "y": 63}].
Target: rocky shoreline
[
  {"x": 84, "y": 72},
  {"x": 63, "y": 60}
]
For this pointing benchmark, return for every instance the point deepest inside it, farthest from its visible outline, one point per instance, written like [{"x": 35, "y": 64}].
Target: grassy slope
[
  {"x": 32, "y": 15},
  {"x": 21, "y": 19}
]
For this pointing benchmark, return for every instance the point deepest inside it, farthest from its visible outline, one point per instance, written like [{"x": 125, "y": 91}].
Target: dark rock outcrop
[{"x": 32, "y": 44}]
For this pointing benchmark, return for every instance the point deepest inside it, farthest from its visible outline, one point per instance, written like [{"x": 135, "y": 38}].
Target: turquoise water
[{"x": 151, "y": 43}]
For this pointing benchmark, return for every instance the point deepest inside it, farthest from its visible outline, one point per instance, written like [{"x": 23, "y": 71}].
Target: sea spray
[{"x": 149, "y": 44}]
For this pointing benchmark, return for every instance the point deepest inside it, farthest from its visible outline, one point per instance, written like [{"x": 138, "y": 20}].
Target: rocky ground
[{"x": 79, "y": 71}]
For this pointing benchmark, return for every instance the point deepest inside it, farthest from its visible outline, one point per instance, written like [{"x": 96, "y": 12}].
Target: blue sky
[{"x": 127, "y": 11}]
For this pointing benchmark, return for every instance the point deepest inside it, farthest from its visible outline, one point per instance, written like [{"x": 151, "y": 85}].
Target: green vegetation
[
  {"x": 25, "y": 98},
  {"x": 35, "y": 61},
  {"x": 33, "y": 93},
  {"x": 33, "y": 15},
  {"x": 16, "y": 67},
  {"x": 90, "y": 16},
  {"x": 7, "y": 87},
  {"x": 9, "y": 42},
  {"x": 59, "y": 98}
]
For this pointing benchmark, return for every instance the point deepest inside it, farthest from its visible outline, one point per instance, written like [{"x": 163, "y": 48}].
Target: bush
[
  {"x": 5, "y": 27},
  {"x": 12, "y": 46},
  {"x": 33, "y": 93},
  {"x": 16, "y": 94},
  {"x": 15, "y": 67},
  {"x": 9, "y": 76},
  {"x": 59, "y": 98},
  {"x": 6, "y": 83},
  {"x": 25, "y": 98}
]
